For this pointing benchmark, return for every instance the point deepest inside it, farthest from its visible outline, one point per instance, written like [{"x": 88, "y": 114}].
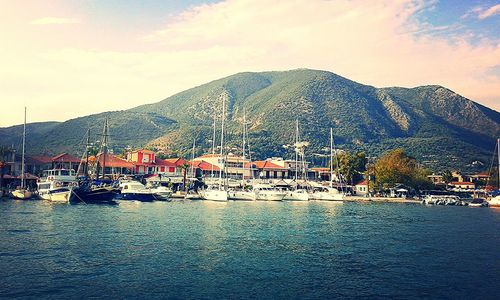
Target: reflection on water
[{"x": 245, "y": 249}]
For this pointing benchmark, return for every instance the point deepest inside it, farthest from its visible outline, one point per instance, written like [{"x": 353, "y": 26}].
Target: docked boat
[
  {"x": 133, "y": 190},
  {"x": 325, "y": 194},
  {"x": 268, "y": 193},
  {"x": 22, "y": 192},
  {"x": 494, "y": 202},
  {"x": 478, "y": 202},
  {"x": 161, "y": 192},
  {"x": 57, "y": 185},
  {"x": 245, "y": 195},
  {"x": 443, "y": 200},
  {"x": 214, "y": 194},
  {"x": 296, "y": 195}
]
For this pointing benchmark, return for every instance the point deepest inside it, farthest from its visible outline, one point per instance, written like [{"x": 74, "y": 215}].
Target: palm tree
[
  {"x": 184, "y": 168},
  {"x": 5, "y": 152}
]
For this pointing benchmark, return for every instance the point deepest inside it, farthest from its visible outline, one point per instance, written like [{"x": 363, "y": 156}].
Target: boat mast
[
  {"x": 296, "y": 148},
  {"x": 192, "y": 158},
  {"x": 213, "y": 146},
  {"x": 244, "y": 144},
  {"x": 222, "y": 140},
  {"x": 331, "y": 157},
  {"x": 24, "y": 145},
  {"x": 104, "y": 147},
  {"x": 87, "y": 145},
  {"x": 498, "y": 150}
]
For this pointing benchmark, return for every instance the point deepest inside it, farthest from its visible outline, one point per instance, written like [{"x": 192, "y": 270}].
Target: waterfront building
[
  {"x": 461, "y": 185},
  {"x": 361, "y": 188},
  {"x": 233, "y": 166}
]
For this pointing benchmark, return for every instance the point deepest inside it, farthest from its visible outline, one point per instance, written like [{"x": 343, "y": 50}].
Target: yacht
[
  {"x": 57, "y": 185},
  {"x": 268, "y": 193},
  {"x": 134, "y": 190},
  {"x": 243, "y": 194},
  {"x": 214, "y": 194},
  {"x": 296, "y": 195},
  {"x": 325, "y": 194}
]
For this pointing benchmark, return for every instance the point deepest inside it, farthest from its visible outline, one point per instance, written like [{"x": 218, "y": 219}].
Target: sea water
[{"x": 209, "y": 250}]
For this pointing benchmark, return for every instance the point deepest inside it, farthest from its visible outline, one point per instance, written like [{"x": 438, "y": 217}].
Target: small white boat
[
  {"x": 268, "y": 193},
  {"x": 136, "y": 191},
  {"x": 192, "y": 195},
  {"x": 21, "y": 194},
  {"x": 494, "y": 202},
  {"x": 245, "y": 195},
  {"x": 326, "y": 194},
  {"x": 296, "y": 195},
  {"x": 57, "y": 185},
  {"x": 478, "y": 203},
  {"x": 214, "y": 194},
  {"x": 162, "y": 192}
]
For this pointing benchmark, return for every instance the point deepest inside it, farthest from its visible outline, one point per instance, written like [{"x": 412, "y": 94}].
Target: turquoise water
[{"x": 248, "y": 250}]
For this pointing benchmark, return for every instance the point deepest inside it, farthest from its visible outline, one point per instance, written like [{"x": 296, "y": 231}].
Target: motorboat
[
  {"x": 134, "y": 190},
  {"x": 478, "y": 202},
  {"x": 243, "y": 194},
  {"x": 161, "y": 192},
  {"x": 57, "y": 185},
  {"x": 443, "y": 200},
  {"x": 325, "y": 194},
  {"x": 214, "y": 194},
  {"x": 296, "y": 195},
  {"x": 268, "y": 193}
]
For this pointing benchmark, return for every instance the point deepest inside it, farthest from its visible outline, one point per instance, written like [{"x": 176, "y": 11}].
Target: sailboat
[
  {"x": 22, "y": 192},
  {"x": 298, "y": 194},
  {"x": 328, "y": 193},
  {"x": 99, "y": 191},
  {"x": 495, "y": 201},
  {"x": 218, "y": 192},
  {"x": 244, "y": 194}
]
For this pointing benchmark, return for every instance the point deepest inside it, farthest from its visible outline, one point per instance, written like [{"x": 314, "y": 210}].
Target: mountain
[{"x": 439, "y": 127}]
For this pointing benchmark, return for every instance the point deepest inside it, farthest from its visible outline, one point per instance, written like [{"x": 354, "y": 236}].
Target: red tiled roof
[
  {"x": 65, "y": 157},
  {"x": 39, "y": 159},
  {"x": 461, "y": 183},
  {"x": 205, "y": 166},
  {"x": 364, "y": 182},
  {"x": 165, "y": 163},
  {"x": 28, "y": 176},
  {"x": 176, "y": 161},
  {"x": 320, "y": 169},
  {"x": 115, "y": 162},
  {"x": 265, "y": 164}
]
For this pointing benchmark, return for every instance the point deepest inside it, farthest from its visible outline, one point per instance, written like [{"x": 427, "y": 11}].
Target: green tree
[
  {"x": 5, "y": 152},
  {"x": 447, "y": 177},
  {"x": 396, "y": 166},
  {"x": 351, "y": 166}
]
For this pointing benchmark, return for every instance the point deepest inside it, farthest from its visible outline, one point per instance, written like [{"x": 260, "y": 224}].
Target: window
[{"x": 171, "y": 169}]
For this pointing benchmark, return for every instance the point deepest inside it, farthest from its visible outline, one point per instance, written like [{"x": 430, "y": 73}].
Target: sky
[{"x": 66, "y": 59}]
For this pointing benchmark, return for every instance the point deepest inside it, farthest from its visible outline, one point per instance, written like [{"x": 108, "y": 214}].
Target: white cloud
[
  {"x": 494, "y": 10},
  {"x": 53, "y": 21}
]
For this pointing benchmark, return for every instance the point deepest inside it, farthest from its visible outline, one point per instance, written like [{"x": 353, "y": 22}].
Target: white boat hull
[
  {"x": 494, "y": 202},
  {"x": 296, "y": 196},
  {"x": 214, "y": 195},
  {"x": 269, "y": 196},
  {"x": 21, "y": 194},
  {"x": 325, "y": 196},
  {"x": 61, "y": 197},
  {"x": 242, "y": 195}
]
